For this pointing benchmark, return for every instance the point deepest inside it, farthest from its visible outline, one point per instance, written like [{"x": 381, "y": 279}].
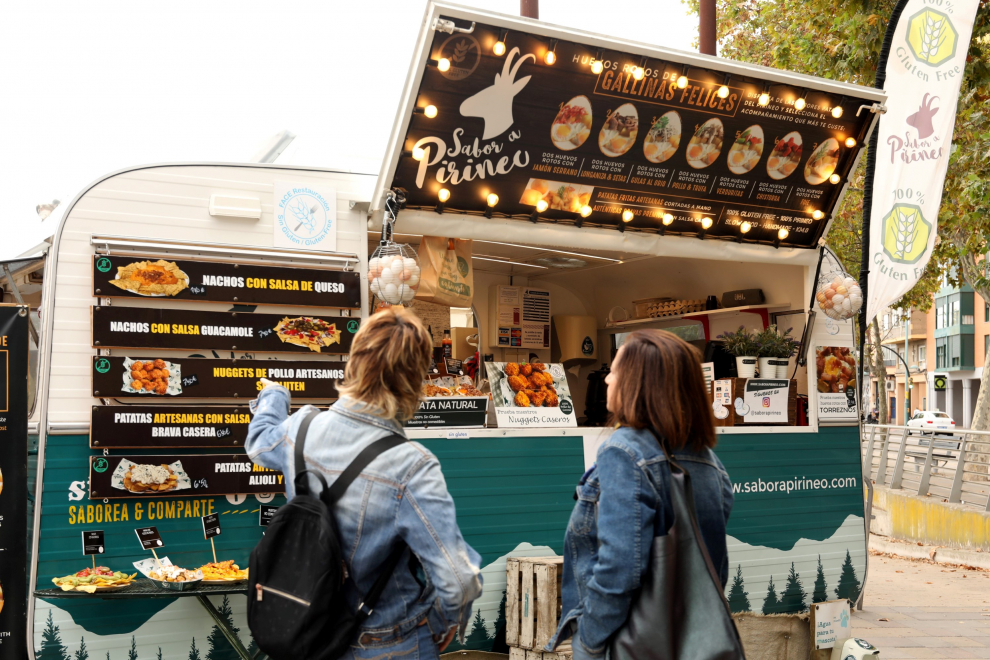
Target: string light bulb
[
  {"x": 418, "y": 153},
  {"x": 430, "y": 111},
  {"x": 627, "y": 216},
  {"x": 443, "y": 195},
  {"x": 551, "y": 57},
  {"x": 837, "y": 111},
  {"x": 706, "y": 222},
  {"x": 597, "y": 66},
  {"x": 638, "y": 73},
  {"x": 542, "y": 205},
  {"x": 668, "y": 219},
  {"x": 585, "y": 211},
  {"x": 764, "y": 99},
  {"x": 850, "y": 142},
  {"x": 492, "y": 201},
  {"x": 745, "y": 227},
  {"x": 499, "y": 48},
  {"x": 834, "y": 179},
  {"x": 799, "y": 104},
  {"x": 723, "y": 92},
  {"x": 817, "y": 215},
  {"x": 443, "y": 64},
  {"x": 682, "y": 81},
  {"x": 782, "y": 233}
]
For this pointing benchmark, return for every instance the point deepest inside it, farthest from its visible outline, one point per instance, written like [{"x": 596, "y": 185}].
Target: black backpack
[{"x": 296, "y": 604}]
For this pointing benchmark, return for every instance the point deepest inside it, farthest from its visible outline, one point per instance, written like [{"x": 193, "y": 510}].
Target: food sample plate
[
  {"x": 155, "y": 279},
  {"x": 164, "y": 377}
]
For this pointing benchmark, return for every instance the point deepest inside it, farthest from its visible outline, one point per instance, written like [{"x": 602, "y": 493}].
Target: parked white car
[{"x": 932, "y": 420}]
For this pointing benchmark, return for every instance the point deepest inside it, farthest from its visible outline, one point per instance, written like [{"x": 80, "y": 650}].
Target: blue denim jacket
[
  {"x": 622, "y": 504},
  {"x": 401, "y": 493}
]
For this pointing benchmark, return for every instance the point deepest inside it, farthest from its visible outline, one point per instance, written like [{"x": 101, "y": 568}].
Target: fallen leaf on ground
[{"x": 883, "y": 619}]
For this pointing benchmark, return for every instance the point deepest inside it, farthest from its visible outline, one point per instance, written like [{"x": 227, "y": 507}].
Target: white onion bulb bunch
[
  {"x": 393, "y": 277},
  {"x": 841, "y": 298}
]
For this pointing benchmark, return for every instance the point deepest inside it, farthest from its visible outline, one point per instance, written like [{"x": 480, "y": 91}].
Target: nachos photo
[
  {"x": 311, "y": 333},
  {"x": 149, "y": 479},
  {"x": 151, "y": 278}
]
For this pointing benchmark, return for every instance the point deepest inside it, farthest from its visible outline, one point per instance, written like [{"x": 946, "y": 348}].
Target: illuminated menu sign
[{"x": 607, "y": 138}]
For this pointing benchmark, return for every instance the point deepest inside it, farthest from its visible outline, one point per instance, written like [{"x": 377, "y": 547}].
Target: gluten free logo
[
  {"x": 303, "y": 216},
  {"x": 103, "y": 265},
  {"x": 102, "y": 365},
  {"x": 931, "y": 37},
  {"x": 905, "y": 233}
]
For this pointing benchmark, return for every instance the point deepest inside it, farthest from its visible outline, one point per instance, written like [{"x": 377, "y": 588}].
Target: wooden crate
[
  {"x": 563, "y": 652},
  {"x": 532, "y": 601}
]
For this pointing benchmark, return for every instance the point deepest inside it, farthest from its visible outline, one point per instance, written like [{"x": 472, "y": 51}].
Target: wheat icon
[
  {"x": 931, "y": 36},
  {"x": 461, "y": 51},
  {"x": 905, "y": 232}
]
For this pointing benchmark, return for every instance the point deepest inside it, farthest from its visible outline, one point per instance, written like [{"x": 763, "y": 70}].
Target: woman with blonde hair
[{"x": 400, "y": 495}]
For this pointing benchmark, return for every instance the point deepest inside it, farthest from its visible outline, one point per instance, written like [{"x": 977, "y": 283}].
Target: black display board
[
  {"x": 451, "y": 412},
  {"x": 144, "y": 327},
  {"x": 623, "y": 136},
  {"x": 111, "y": 477},
  {"x": 168, "y": 427},
  {"x": 13, "y": 487},
  {"x": 212, "y": 281},
  {"x": 204, "y": 378},
  {"x": 94, "y": 542}
]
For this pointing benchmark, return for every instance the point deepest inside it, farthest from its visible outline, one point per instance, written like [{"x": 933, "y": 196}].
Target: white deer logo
[{"x": 494, "y": 104}]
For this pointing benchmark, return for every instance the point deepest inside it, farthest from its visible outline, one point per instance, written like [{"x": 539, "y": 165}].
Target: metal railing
[{"x": 951, "y": 465}]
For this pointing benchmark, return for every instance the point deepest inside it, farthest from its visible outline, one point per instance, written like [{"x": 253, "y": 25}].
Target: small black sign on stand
[
  {"x": 93, "y": 544},
  {"x": 266, "y": 514},
  {"x": 149, "y": 537},
  {"x": 211, "y": 528}
]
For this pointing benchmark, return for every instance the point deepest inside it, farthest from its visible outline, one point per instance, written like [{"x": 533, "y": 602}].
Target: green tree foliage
[
  {"x": 159, "y": 653},
  {"x": 498, "y": 643},
  {"x": 220, "y": 648},
  {"x": 848, "y": 584},
  {"x": 479, "y": 638},
  {"x": 132, "y": 654},
  {"x": 51, "y": 643},
  {"x": 770, "y": 604},
  {"x": 82, "y": 653},
  {"x": 820, "y": 594},
  {"x": 842, "y": 41},
  {"x": 792, "y": 600},
  {"x": 738, "y": 597},
  {"x": 193, "y": 651}
]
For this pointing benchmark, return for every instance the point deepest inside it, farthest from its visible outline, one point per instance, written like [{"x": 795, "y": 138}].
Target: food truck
[{"x": 545, "y": 192}]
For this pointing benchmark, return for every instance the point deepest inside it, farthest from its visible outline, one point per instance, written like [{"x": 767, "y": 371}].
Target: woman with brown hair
[
  {"x": 656, "y": 393},
  {"x": 401, "y": 494}
]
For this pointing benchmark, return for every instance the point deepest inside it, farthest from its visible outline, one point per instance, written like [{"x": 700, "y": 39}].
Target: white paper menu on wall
[{"x": 520, "y": 317}]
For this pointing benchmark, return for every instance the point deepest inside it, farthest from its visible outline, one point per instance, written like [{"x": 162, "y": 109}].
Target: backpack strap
[
  {"x": 302, "y": 487},
  {"x": 356, "y": 466}
]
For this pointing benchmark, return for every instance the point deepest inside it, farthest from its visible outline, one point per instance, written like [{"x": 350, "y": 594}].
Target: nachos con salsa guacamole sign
[{"x": 601, "y": 132}]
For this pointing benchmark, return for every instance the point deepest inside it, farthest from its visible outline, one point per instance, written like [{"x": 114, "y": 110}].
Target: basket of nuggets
[
  {"x": 222, "y": 572},
  {"x": 153, "y": 377},
  {"x": 532, "y": 385},
  {"x": 91, "y": 580}
]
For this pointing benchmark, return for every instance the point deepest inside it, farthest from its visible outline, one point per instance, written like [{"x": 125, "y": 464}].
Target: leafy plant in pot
[
  {"x": 741, "y": 344},
  {"x": 774, "y": 349}
]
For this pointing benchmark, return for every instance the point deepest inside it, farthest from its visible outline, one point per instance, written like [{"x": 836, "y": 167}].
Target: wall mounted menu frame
[
  {"x": 143, "y": 476},
  {"x": 196, "y": 280},
  {"x": 205, "y": 378},
  {"x": 187, "y": 329},
  {"x": 623, "y": 137},
  {"x": 168, "y": 427}
]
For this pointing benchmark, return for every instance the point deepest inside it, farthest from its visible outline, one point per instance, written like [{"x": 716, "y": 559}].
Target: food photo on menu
[
  {"x": 559, "y": 196},
  {"x": 525, "y": 385},
  {"x": 706, "y": 144},
  {"x": 572, "y": 125},
  {"x": 311, "y": 333},
  {"x": 663, "y": 138},
  {"x": 149, "y": 479},
  {"x": 151, "y": 278},
  {"x": 822, "y": 163},
  {"x": 619, "y": 131},
  {"x": 785, "y": 156},
  {"x": 153, "y": 377},
  {"x": 747, "y": 150}
]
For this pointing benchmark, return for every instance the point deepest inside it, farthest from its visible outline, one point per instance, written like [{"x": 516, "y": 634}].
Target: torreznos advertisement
[{"x": 606, "y": 138}]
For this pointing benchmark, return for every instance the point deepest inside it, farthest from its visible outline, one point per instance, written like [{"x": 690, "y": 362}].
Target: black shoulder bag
[{"x": 681, "y": 612}]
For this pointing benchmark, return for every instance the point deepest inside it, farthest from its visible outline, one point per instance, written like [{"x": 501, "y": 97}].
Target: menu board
[
  {"x": 168, "y": 426},
  {"x": 451, "y": 412},
  {"x": 530, "y": 395},
  {"x": 146, "y": 327},
  {"x": 114, "y": 477},
  {"x": 155, "y": 379},
  {"x": 835, "y": 371},
  {"x": 214, "y": 281},
  {"x": 629, "y": 135},
  {"x": 13, "y": 480}
]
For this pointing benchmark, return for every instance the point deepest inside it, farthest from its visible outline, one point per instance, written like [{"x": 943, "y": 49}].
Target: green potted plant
[
  {"x": 767, "y": 347},
  {"x": 786, "y": 347},
  {"x": 741, "y": 344}
]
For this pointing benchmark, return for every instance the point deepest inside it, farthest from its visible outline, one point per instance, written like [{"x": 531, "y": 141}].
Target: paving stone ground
[{"x": 918, "y": 609}]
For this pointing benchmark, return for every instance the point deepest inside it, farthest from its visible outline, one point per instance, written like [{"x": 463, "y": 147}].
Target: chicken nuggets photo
[
  {"x": 511, "y": 369},
  {"x": 521, "y": 400},
  {"x": 518, "y": 383}
]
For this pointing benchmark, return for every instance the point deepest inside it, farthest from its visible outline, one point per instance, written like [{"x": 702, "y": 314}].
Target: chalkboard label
[
  {"x": 93, "y": 543},
  {"x": 266, "y": 515},
  {"x": 149, "y": 537},
  {"x": 211, "y": 525}
]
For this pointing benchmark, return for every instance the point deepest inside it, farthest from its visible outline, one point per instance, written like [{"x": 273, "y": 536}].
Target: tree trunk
[{"x": 878, "y": 371}]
